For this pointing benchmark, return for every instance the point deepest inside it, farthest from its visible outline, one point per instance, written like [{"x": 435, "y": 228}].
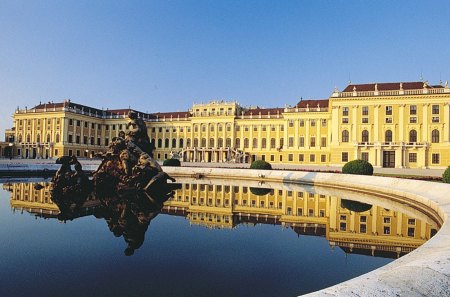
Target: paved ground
[{"x": 396, "y": 171}]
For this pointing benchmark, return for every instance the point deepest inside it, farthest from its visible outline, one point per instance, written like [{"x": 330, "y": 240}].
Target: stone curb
[{"x": 423, "y": 272}]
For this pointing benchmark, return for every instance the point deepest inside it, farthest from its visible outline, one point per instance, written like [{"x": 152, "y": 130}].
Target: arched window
[
  {"x": 195, "y": 142},
  {"x": 255, "y": 142},
  {"x": 48, "y": 137},
  {"x": 238, "y": 143},
  {"x": 263, "y": 143},
  {"x": 174, "y": 142},
  {"x": 28, "y": 138},
  {"x": 204, "y": 129},
  {"x": 166, "y": 142},
  {"x": 181, "y": 142},
  {"x": 365, "y": 136},
  {"x": 188, "y": 142},
  {"x": 160, "y": 143},
  {"x": 57, "y": 138},
  {"x": 388, "y": 136},
  {"x": 195, "y": 128},
  {"x": 345, "y": 136},
  {"x": 211, "y": 128},
  {"x": 228, "y": 142},
  {"x": 219, "y": 127},
  {"x": 203, "y": 142},
  {"x": 20, "y": 137},
  {"x": 38, "y": 138},
  {"x": 245, "y": 142},
  {"x": 220, "y": 142},
  {"x": 413, "y": 136},
  {"x": 435, "y": 136},
  {"x": 211, "y": 142},
  {"x": 272, "y": 143}
]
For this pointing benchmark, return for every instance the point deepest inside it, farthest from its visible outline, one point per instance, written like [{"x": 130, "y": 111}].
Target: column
[
  {"x": 424, "y": 136},
  {"x": 376, "y": 128},
  {"x": 446, "y": 122},
  {"x": 335, "y": 125},
  {"x": 296, "y": 136},
  {"x": 307, "y": 136},
  {"x": 401, "y": 126},
  {"x": 354, "y": 122}
]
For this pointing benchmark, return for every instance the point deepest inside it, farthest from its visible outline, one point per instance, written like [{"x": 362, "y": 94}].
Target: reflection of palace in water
[{"x": 377, "y": 231}]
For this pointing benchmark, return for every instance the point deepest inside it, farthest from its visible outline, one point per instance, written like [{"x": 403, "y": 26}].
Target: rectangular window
[
  {"x": 312, "y": 158},
  {"x": 365, "y": 110},
  {"x": 411, "y": 221},
  {"x": 344, "y": 157},
  {"x": 342, "y": 226},
  {"x": 323, "y": 142},
  {"x": 344, "y": 120},
  {"x": 291, "y": 123},
  {"x": 281, "y": 158},
  {"x": 413, "y": 120},
  {"x": 70, "y": 153},
  {"x": 435, "y": 119},
  {"x": 365, "y": 120},
  {"x": 302, "y": 141},
  {"x": 387, "y": 230},
  {"x": 365, "y": 156},
  {"x": 313, "y": 123},
  {"x": 70, "y": 122},
  {"x": 388, "y": 110},
  {"x": 387, "y": 220},
  {"x": 313, "y": 141},
  {"x": 323, "y": 158},
  {"x": 78, "y": 139},
  {"x": 412, "y": 157},
  {"x": 324, "y": 123},
  {"x": 363, "y": 219},
  {"x": 70, "y": 138},
  {"x": 411, "y": 231},
  {"x": 291, "y": 157},
  {"x": 435, "y": 109},
  {"x": 362, "y": 228},
  {"x": 435, "y": 158},
  {"x": 388, "y": 120},
  {"x": 272, "y": 158},
  {"x": 302, "y": 123},
  {"x": 85, "y": 124},
  {"x": 345, "y": 111},
  {"x": 301, "y": 157},
  {"x": 291, "y": 141},
  {"x": 413, "y": 109}
]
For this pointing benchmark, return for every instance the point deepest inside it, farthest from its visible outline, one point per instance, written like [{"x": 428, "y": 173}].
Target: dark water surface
[{"x": 182, "y": 256}]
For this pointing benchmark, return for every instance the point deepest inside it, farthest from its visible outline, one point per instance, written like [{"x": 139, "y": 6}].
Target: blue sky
[{"x": 165, "y": 55}]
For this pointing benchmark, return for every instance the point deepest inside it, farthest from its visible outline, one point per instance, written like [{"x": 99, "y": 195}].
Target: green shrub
[
  {"x": 446, "y": 175},
  {"x": 360, "y": 167},
  {"x": 260, "y": 164},
  {"x": 355, "y": 205},
  {"x": 172, "y": 163},
  {"x": 260, "y": 191}
]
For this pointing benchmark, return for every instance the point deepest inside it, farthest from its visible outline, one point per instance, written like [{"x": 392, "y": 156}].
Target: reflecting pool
[{"x": 213, "y": 238}]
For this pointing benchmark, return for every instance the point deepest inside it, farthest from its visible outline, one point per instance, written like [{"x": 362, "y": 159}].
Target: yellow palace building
[{"x": 401, "y": 125}]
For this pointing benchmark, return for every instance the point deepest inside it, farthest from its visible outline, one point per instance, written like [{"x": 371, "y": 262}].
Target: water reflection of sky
[{"x": 45, "y": 257}]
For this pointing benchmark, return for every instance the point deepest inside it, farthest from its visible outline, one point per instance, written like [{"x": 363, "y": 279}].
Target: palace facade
[{"x": 402, "y": 125}]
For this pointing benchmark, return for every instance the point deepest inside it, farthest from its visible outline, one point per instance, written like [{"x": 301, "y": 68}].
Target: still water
[{"x": 217, "y": 239}]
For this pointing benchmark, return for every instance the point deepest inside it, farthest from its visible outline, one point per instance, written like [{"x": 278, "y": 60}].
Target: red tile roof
[
  {"x": 388, "y": 86},
  {"x": 312, "y": 103},
  {"x": 167, "y": 115},
  {"x": 264, "y": 111}
]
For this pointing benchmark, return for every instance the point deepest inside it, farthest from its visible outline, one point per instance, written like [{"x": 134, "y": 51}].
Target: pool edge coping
[{"x": 423, "y": 272}]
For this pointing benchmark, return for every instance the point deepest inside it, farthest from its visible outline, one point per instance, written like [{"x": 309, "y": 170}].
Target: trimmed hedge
[
  {"x": 260, "y": 191},
  {"x": 355, "y": 205},
  {"x": 260, "y": 164},
  {"x": 360, "y": 167},
  {"x": 446, "y": 176},
  {"x": 172, "y": 163}
]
